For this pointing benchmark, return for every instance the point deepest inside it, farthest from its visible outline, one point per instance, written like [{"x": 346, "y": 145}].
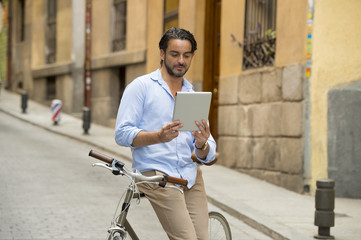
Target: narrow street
[{"x": 49, "y": 190}]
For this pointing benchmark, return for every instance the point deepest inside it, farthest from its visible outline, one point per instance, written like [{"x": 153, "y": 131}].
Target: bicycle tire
[{"x": 219, "y": 228}]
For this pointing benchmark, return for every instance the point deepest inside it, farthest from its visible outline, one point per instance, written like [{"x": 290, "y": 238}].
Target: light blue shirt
[{"x": 147, "y": 105}]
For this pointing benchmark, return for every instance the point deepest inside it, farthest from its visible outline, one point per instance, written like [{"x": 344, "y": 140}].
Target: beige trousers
[{"x": 183, "y": 216}]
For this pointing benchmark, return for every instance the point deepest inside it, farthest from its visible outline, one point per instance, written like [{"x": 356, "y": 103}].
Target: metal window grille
[
  {"x": 259, "y": 33},
  {"x": 51, "y": 32},
  {"x": 170, "y": 14},
  {"x": 119, "y": 39}
]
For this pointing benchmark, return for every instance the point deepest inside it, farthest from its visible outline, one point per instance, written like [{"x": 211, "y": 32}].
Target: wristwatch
[{"x": 204, "y": 147}]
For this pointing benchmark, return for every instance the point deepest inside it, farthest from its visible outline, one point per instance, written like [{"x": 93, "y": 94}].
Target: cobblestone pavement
[{"x": 48, "y": 190}]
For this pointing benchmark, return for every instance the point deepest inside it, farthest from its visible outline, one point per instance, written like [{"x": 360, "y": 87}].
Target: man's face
[{"x": 178, "y": 57}]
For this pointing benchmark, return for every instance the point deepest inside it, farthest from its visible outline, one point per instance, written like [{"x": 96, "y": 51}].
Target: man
[{"x": 144, "y": 123}]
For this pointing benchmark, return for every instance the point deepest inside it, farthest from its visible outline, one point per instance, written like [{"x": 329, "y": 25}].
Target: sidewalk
[{"x": 279, "y": 213}]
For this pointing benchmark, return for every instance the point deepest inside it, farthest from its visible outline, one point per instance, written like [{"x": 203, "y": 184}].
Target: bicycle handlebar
[
  {"x": 101, "y": 156},
  {"x": 119, "y": 165}
]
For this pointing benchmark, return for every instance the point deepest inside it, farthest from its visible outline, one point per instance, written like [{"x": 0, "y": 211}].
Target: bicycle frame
[
  {"x": 120, "y": 226},
  {"x": 123, "y": 226}
]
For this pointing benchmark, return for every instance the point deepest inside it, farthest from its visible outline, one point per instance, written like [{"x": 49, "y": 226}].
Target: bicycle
[{"x": 120, "y": 228}]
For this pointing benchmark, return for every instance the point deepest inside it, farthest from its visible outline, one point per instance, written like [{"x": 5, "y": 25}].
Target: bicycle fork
[{"x": 122, "y": 226}]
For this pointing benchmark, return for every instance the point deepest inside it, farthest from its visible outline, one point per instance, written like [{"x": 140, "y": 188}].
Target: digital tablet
[{"x": 190, "y": 107}]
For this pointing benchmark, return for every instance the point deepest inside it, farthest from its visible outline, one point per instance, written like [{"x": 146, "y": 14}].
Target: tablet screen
[{"x": 190, "y": 107}]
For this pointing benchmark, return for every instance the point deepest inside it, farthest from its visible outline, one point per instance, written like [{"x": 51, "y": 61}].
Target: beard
[{"x": 174, "y": 73}]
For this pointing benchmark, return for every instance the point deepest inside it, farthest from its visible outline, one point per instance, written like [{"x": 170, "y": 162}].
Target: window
[
  {"x": 50, "y": 88},
  {"x": 51, "y": 32},
  {"x": 121, "y": 75},
  {"x": 170, "y": 14},
  {"x": 259, "y": 33},
  {"x": 119, "y": 40},
  {"x": 22, "y": 20}
]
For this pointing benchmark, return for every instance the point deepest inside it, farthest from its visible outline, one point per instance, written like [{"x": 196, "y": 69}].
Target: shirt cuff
[{"x": 211, "y": 154}]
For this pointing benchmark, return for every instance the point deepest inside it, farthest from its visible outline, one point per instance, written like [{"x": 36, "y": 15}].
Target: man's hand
[
  {"x": 166, "y": 134},
  {"x": 202, "y": 135},
  {"x": 170, "y": 131}
]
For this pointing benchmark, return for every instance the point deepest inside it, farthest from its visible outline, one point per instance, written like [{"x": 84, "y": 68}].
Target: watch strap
[{"x": 204, "y": 147}]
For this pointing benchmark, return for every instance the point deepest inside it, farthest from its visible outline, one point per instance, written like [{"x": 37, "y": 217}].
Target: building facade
[{"x": 274, "y": 67}]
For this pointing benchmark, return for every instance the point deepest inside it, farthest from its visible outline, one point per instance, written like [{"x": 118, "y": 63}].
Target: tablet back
[{"x": 190, "y": 107}]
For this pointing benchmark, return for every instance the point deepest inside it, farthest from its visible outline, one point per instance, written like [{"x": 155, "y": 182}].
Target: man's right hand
[
  {"x": 166, "y": 134},
  {"x": 170, "y": 131}
]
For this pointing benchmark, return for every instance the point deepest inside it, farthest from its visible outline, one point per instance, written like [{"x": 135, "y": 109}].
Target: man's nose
[{"x": 181, "y": 59}]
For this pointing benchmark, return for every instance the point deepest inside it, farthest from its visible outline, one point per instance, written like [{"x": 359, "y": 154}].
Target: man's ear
[{"x": 162, "y": 54}]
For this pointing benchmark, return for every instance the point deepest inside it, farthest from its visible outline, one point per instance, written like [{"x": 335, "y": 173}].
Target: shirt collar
[{"x": 157, "y": 76}]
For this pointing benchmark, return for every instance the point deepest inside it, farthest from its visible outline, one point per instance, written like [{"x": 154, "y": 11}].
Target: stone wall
[{"x": 261, "y": 124}]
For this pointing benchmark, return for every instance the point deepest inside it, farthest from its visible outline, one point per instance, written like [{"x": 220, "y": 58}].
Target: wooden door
[{"x": 211, "y": 59}]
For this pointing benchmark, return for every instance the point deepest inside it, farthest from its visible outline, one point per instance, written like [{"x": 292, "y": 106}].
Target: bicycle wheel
[{"x": 218, "y": 227}]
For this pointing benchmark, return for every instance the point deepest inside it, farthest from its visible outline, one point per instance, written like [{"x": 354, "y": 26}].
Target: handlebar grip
[
  {"x": 101, "y": 156},
  {"x": 178, "y": 181}
]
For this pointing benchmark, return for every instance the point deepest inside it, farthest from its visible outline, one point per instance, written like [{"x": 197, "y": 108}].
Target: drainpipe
[
  {"x": 87, "y": 86},
  {"x": 307, "y": 138},
  {"x": 88, "y": 54},
  {"x": 8, "y": 79}
]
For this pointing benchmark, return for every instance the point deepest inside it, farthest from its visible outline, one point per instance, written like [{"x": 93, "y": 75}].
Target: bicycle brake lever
[
  {"x": 102, "y": 165},
  {"x": 114, "y": 168}
]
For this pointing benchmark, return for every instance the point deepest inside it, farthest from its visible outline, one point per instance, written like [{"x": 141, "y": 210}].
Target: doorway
[{"x": 211, "y": 59}]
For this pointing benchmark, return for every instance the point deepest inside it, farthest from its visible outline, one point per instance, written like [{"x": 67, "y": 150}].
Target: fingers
[
  {"x": 203, "y": 129},
  {"x": 203, "y": 134},
  {"x": 170, "y": 131},
  {"x": 172, "y": 127}
]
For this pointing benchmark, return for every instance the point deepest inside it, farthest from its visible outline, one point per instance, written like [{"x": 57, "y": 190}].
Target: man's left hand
[{"x": 202, "y": 135}]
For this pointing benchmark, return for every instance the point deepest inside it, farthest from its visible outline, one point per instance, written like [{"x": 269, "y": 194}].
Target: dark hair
[{"x": 176, "y": 33}]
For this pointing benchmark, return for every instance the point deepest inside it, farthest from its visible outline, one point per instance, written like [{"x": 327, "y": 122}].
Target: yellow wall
[
  {"x": 100, "y": 44},
  {"x": 192, "y": 18},
  {"x": 136, "y": 25},
  {"x": 336, "y": 60},
  {"x": 154, "y": 33},
  {"x": 232, "y": 22},
  {"x": 64, "y": 31},
  {"x": 38, "y": 34},
  {"x": 291, "y": 32}
]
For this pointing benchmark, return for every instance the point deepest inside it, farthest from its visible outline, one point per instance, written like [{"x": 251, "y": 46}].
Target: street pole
[
  {"x": 9, "y": 12},
  {"x": 87, "y": 87}
]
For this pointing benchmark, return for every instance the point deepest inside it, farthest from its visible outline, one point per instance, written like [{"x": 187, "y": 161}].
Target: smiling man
[{"x": 144, "y": 123}]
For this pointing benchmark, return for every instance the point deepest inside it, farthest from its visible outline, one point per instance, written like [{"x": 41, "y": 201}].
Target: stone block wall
[{"x": 261, "y": 119}]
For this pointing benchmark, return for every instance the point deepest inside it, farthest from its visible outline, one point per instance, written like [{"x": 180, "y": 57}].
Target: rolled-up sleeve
[
  {"x": 212, "y": 151},
  {"x": 129, "y": 114}
]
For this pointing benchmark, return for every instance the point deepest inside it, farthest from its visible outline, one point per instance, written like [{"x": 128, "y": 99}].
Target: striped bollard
[{"x": 56, "y": 105}]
